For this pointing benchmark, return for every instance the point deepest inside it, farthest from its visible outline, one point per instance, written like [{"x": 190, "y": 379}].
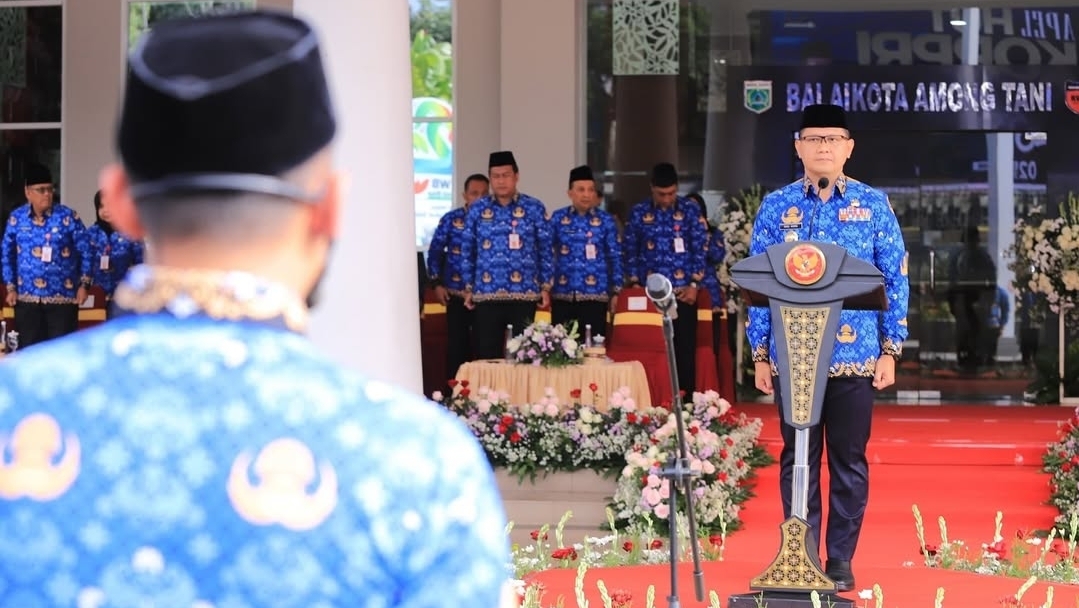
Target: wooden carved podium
[{"x": 805, "y": 286}]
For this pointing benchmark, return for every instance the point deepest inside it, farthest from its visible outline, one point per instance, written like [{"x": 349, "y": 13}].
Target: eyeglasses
[
  {"x": 828, "y": 140},
  {"x": 42, "y": 189}
]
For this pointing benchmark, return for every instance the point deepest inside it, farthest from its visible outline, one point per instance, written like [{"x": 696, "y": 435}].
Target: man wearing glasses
[
  {"x": 828, "y": 206},
  {"x": 45, "y": 264}
]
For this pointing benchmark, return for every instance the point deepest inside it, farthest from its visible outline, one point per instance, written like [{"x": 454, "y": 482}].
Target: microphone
[
  {"x": 660, "y": 291},
  {"x": 822, "y": 184}
]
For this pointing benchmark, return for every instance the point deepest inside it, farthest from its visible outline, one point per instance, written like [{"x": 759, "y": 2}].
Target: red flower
[
  {"x": 464, "y": 383},
  {"x": 465, "y": 391},
  {"x": 656, "y": 544},
  {"x": 627, "y": 546},
  {"x": 631, "y": 418},
  {"x": 715, "y": 540},
  {"x": 722, "y": 454},
  {"x": 929, "y": 550},
  {"x": 1066, "y": 467},
  {"x": 536, "y": 535},
  {"x": 515, "y": 437},
  {"x": 645, "y": 419},
  {"x": 593, "y": 387},
  {"x": 644, "y": 481},
  {"x": 507, "y": 420},
  {"x": 621, "y": 598},
  {"x": 730, "y": 442},
  {"x": 565, "y": 553},
  {"x": 575, "y": 393},
  {"x": 694, "y": 430},
  {"x": 999, "y": 549},
  {"x": 452, "y": 383},
  {"x": 741, "y": 464},
  {"x": 501, "y": 430},
  {"x": 722, "y": 477}
]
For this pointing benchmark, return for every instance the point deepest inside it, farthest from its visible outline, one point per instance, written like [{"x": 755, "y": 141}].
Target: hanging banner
[{"x": 913, "y": 98}]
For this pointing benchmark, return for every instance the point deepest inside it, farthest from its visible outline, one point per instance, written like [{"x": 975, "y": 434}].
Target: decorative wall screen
[{"x": 645, "y": 37}]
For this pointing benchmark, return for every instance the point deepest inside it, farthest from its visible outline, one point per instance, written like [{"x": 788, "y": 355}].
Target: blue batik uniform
[
  {"x": 588, "y": 255},
  {"x": 859, "y": 219},
  {"x": 713, "y": 257},
  {"x": 111, "y": 255},
  {"x": 667, "y": 241},
  {"x": 182, "y": 458},
  {"x": 445, "y": 255},
  {"x": 507, "y": 256},
  {"x": 45, "y": 259}
]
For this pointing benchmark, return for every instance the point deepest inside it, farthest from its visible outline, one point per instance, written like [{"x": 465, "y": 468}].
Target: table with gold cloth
[{"x": 529, "y": 383}]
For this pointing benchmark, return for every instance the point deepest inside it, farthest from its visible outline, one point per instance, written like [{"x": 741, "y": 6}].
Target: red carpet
[{"x": 964, "y": 463}]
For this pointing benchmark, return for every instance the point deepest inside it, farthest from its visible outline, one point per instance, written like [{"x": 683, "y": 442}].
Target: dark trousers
[
  {"x": 1028, "y": 344},
  {"x": 458, "y": 335},
  {"x": 584, "y": 313},
  {"x": 844, "y": 428},
  {"x": 40, "y": 322},
  {"x": 685, "y": 347},
  {"x": 490, "y": 320}
]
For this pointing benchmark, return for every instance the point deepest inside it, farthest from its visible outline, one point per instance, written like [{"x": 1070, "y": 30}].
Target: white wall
[{"x": 518, "y": 88}]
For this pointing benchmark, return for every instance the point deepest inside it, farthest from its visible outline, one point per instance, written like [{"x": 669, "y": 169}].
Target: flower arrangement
[
  {"x": 619, "y": 439},
  {"x": 1061, "y": 461},
  {"x": 549, "y": 345},
  {"x": 1045, "y": 256},
  {"x": 721, "y": 447},
  {"x": 1026, "y": 554},
  {"x": 734, "y": 219}
]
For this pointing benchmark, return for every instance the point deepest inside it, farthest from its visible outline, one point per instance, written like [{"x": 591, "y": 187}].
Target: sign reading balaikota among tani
[{"x": 953, "y": 96}]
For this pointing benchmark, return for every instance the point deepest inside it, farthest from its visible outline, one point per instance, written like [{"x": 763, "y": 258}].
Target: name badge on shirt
[
  {"x": 590, "y": 251},
  {"x": 679, "y": 245},
  {"x": 515, "y": 240},
  {"x": 46, "y": 254},
  {"x": 855, "y": 213},
  {"x": 104, "y": 262}
]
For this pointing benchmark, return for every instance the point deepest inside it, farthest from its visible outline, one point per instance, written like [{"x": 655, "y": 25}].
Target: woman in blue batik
[{"x": 111, "y": 253}]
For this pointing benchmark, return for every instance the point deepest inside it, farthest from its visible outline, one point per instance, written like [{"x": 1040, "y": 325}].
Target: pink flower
[
  {"x": 436, "y": 396},
  {"x": 483, "y": 406}
]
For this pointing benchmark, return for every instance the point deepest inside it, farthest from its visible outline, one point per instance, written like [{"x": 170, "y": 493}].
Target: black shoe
[{"x": 840, "y": 573}]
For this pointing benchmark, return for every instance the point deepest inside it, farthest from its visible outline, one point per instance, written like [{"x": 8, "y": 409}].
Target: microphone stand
[{"x": 679, "y": 476}]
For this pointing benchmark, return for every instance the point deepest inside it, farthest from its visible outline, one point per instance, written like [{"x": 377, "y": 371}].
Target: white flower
[{"x": 436, "y": 396}]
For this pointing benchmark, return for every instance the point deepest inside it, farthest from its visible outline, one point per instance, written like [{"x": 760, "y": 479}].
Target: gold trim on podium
[
  {"x": 794, "y": 568},
  {"x": 804, "y": 333}
]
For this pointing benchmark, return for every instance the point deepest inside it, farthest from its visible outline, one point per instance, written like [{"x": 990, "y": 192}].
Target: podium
[{"x": 805, "y": 286}]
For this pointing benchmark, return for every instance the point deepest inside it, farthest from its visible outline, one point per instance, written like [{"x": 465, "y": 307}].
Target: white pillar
[
  {"x": 369, "y": 316},
  {"x": 540, "y": 92},
  {"x": 1001, "y": 171}
]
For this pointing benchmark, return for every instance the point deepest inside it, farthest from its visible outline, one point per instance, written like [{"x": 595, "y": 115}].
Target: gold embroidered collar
[
  {"x": 225, "y": 296},
  {"x": 840, "y": 185}
]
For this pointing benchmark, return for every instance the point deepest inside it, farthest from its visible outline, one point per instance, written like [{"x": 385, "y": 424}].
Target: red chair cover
[
  {"x": 725, "y": 358},
  {"x": 95, "y": 315},
  {"x": 637, "y": 335},
  {"x": 433, "y": 343},
  {"x": 706, "y": 363}
]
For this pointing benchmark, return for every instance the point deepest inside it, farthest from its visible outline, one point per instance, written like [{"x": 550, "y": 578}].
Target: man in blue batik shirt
[
  {"x": 45, "y": 260},
  {"x": 111, "y": 253},
  {"x": 830, "y": 207},
  {"x": 506, "y": 259},
  {"x": 667, "y": 234},
  {"x": 197, "y": 450},
  {"x": 588, "y": 258},
  {"x": 444, "y": 272}
]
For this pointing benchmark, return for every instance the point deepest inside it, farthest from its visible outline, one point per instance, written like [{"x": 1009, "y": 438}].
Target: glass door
[{"x": 962, "y": 345}]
